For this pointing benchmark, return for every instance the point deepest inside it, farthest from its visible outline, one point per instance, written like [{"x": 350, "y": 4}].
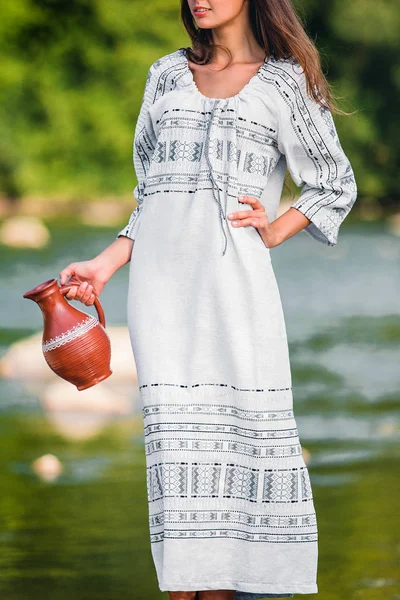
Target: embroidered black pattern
[
  {"x": 256, "y": 527},
  {"x": 180, "y": 444},
  {"x": 239, "y": 517},
  {"x": 329, "y": 188},
  {"x": 332, "y": 194},
  {"x": 237, "y": 534},
  {"x": 217, "y": 409},
  {"x": 222, "y": 385},
  {"x": 214, "y": 480},
  {"x": 185, "y": 151},
  {"x": 160, "y": 152},
  {"x": 257, "y": 164},
  {"x": 217, "y": 429}
]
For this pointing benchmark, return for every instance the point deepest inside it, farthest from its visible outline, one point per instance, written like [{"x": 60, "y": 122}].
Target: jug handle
[{"x": 97, "y": 304}]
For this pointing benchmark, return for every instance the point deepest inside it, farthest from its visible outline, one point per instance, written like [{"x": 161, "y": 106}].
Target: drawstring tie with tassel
[{"x": 215, "y": 187}]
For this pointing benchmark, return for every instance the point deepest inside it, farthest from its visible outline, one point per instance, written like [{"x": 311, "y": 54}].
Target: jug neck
[{"x": 47, "y": 295}]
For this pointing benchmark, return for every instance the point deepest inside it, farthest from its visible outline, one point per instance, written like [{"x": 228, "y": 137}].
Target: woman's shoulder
[
  {"x": 168, "y": 61},
  {"x": 281, "y": 78},
  {"x": 166, "y": 74},
  {"x": 285, "y": 67}
]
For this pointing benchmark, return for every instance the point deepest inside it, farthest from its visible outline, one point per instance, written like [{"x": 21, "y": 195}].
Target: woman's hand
[
  {"x": 257, "y": 218},
  {"x": 88, "y": 280},
  {"x": 90, "y": 276}
]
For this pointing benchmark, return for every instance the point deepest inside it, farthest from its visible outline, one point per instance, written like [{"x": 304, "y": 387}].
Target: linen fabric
[{"x": 229, "y": 493}]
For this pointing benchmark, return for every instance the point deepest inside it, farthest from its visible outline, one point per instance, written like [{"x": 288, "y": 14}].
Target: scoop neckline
[{"x": 240, "y": 92}]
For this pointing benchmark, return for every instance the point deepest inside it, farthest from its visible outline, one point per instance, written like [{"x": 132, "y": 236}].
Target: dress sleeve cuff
[
  {"x": 325, "y": 222},
  {"x": 131, "y": 229}
]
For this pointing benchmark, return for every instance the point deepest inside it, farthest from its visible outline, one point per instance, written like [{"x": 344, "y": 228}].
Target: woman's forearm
[
  {"x": 272, "y": 233},
  {"x": 115, "y": 256},
  {"x": 288, "y": 224}
]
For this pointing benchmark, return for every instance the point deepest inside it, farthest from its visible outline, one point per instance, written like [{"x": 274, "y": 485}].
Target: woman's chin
[{"x": 205, "y": 22}]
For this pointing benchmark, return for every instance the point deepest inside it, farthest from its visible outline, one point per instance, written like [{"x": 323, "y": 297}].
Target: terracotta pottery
[{"x": 75, "y": 344}]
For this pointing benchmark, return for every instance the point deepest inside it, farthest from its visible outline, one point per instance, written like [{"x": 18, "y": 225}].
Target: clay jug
[{"x": 75, "y": 344}]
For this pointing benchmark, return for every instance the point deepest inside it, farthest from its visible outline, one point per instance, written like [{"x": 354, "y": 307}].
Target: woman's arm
[
  {"x": 272, "y": 234},
  {"x": 308, "y": 138},
  {"x": 89, "y": 277},
  {"x": 143, "y": 149},
  {"x": 288, "y": 224},
  {"x": 115, "y": 256}
]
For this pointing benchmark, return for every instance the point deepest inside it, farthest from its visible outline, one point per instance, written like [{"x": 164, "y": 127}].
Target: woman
[{"x": 231, "y": 511}]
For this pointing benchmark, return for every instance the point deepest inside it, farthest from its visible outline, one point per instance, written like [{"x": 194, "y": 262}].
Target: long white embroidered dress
[{"x": 229, "y": 494}]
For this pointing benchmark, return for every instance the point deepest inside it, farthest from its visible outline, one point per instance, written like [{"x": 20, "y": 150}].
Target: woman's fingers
[
  {"x": 67, "y": 272},
  {"x": 81, "y": 292},
  {"x": 255, "y": 222},
  {"x": 71, "y": 293},
  {"x": 87, "y": 293},
  {"x": 238, "y": 218},
  {"x": 254, "y": 202},
  {"x": 81, "y": 289},
  {"x": 243, "y": 214},
  {"x": 91, "y": 300},
  {"x": 257, "y": 217}
]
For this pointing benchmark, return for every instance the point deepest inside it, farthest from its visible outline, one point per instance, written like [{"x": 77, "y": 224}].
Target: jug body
[{"x": 75, "y": 345}]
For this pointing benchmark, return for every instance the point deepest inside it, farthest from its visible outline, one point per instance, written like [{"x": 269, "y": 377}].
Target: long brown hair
[{"x": 279, "y": 31}]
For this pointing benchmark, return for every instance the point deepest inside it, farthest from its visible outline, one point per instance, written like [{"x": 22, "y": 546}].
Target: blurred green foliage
[{"x": 72, "y": 75}]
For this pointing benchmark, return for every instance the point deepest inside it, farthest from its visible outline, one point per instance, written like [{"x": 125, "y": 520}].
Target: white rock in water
[
  {"x": 77, "y": 426},
  {"x": 388, "y": 428},
  {"x": 48, "y": 467},
  {"x": 306, "y": 455},
  {"x": 102, "y": 214},
  {"x": 24, "y": 232},
  {"x": 24, "y": 359},
  {"x": 62, "y": 396},
  {"x": 394, "y": 224}
]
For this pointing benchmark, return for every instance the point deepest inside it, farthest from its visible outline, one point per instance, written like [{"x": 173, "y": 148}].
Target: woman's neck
[{"x": 238, "y": 37}]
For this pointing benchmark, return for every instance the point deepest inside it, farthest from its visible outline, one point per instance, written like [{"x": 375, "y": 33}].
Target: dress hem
[{"x": 240, "y": 586}]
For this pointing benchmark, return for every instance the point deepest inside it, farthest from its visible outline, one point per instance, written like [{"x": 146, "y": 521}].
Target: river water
[{"x": 84, "y": 535}]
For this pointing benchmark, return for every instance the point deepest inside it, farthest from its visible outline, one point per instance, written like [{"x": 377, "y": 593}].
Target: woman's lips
[{"x": 201, "y": 13}]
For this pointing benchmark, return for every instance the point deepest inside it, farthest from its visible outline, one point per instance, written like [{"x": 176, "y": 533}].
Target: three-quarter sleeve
[
  {"x": 308, "y": 138},
  {"x": 143, "y": 147}
]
